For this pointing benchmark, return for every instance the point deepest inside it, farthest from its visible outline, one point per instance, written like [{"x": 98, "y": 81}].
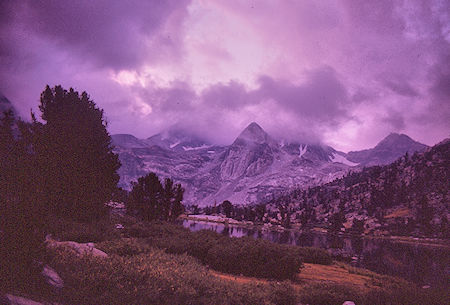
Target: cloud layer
[{"x": 345, "y": 73}]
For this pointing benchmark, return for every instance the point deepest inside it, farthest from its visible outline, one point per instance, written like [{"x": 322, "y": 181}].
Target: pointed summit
[
  {"x": 387, "y": 150},
  {"x": 254, "y": 133},
  {"x": 401, "y": 143}
]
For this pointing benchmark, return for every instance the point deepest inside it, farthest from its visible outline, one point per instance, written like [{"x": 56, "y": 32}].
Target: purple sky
[{"x": 342, "y": 72}]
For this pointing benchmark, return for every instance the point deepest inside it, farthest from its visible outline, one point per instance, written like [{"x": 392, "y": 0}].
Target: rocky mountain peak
[
  {"x": 399, "y": 143},
  {"x": 387, "y": 150},
  {"x": 254, "y": 133},
  {"x": 395, "y": 139},
  {"x": 127, "y": 140}
]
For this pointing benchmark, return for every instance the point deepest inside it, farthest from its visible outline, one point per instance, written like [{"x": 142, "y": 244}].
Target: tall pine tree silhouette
[
  {"x": 79, "y": 166},
  {"x": 21, "y": 216}
]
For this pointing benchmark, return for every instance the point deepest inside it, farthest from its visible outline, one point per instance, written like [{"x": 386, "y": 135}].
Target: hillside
[{"x": 409, "y": 196}]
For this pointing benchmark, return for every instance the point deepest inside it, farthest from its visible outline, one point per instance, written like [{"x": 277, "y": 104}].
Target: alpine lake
[{"x": 426, "y": 264}]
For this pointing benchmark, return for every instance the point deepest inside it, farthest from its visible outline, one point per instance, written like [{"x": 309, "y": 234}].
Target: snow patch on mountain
[
  {"x": 174, "y": 144},
  {"x": 336, "y": 158},
  {"x": 303, "y": 150},
  {"x": 188, "y": 148}
]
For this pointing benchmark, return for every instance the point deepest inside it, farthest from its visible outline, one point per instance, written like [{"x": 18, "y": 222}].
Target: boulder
[
  {"x": 52, "y": 277},
  {"x": 15, "y": 300},
  {"x": 79, "y": 248}
]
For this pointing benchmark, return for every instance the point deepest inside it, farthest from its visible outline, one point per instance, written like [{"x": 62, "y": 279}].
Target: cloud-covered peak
[
  {"x": 253, "y": 133},
  {"x": 399, "y": 141}
]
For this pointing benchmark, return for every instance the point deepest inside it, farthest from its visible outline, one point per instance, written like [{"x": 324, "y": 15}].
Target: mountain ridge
[
  {"x": 250, "y": 169},
  {"x": 406, "y": 197},
  {"x": 387, "y": 150}
]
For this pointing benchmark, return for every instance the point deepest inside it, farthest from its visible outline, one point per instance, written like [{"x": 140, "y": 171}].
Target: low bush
[
  {"x": 247, "y": 256},
  {"x": 315, "y": 256},
  {"x": 256, "y": 258},
  {"x": 155, "y": 277},
  {"x": 124, "y": 247},
  {"x": 176, "y": 239},
  {"x": 244, "y": 255}
]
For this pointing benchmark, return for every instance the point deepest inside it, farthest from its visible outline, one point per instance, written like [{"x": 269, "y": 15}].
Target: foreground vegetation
[
  {"x": 232, "y": 255},
  {"x": 157, "y": 263},
  {"x": 155, "y": 277}
]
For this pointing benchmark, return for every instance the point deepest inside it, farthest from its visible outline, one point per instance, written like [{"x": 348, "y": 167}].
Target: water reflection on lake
[{"x": 426, "y": 265}]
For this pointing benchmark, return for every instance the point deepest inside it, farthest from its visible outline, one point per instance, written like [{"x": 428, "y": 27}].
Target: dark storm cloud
[
  {"x": 179, "y": 97},
  {"x": 368, "y": 14},
  {"x": 321, "y": 97},
  {"x": 316, "y": 103},
  {"x": 439, "y": 108},
  {"x": 401, "y": 87},
  {"x": 114, "y": 34},
  {"x": 229, "y": 96},
  {"x": 395, "y": 120},
  {"x": 347, "y": 72}
]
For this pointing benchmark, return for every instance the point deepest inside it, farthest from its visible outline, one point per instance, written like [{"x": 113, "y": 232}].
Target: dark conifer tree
[
  {"x": 80, "y": 168},
  {"x": 337, "y": 220},
  {"x": 227, "y": 208},
  {"x": 177, "y": 207},
  {"x": 21, "y": 216},
  {"x": 153, "y": 201},
  {"x": 425, "y": 215},
  {"x": 172, "y": 206},
  {"x": 145, "y": 197}
]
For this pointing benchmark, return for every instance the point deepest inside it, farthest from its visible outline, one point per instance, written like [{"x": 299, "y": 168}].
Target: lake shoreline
[{"x": 423, "y": 241}]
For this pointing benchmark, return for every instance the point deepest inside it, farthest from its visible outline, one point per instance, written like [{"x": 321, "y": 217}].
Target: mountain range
[
  {"x": 251, "y": 169},
  {"x": 406, "y": 197}
]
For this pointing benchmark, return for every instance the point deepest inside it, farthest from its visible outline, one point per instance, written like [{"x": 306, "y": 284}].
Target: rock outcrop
[{"x": 79, "y": 249}]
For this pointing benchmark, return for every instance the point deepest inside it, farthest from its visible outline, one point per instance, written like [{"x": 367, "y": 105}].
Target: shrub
[
  {"x": 315, "y": 256},
  {"x": 245, "y": 255},
  {"x": 257, "y": 258},
  {"x": 124, "y": 247},
  {"x": 283, "y": 294},
  {"x": 156, "y": 278}
]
